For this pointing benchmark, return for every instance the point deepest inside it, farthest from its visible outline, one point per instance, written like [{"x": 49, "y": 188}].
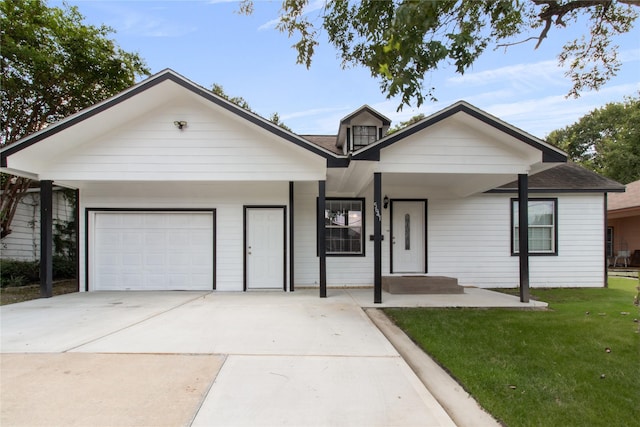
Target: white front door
[
  {"x": 265, "y": 248},
  {"x": 408, "y": 243}
]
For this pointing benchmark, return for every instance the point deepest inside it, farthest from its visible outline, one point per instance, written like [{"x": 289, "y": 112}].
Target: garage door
[{"x": 152, "y": 251}]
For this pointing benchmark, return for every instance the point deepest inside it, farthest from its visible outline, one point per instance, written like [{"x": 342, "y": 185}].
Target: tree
[
  {"x": 402, "y": 125},
  {"x": 242, "y": 103},
  {"x": 606, "y": 140},
  {"x": 52, "y": 65},
  {"x": 400, "y": 41}
]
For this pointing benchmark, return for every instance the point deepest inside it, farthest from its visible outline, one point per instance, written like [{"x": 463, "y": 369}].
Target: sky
[{"x": 209, "y": 42}]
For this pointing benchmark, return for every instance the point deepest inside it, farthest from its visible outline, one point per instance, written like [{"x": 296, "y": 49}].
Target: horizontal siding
[
  {"x": 213, "y": 146},
  {"x": 227, "y": 199},
  {"x": 468, "y": 239},
  {"x": 449, "y": 147},
  {"x": 24, "y": 241}
]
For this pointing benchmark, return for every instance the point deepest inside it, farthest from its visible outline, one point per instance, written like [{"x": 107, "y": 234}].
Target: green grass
[{"x": 542, "y": 368}]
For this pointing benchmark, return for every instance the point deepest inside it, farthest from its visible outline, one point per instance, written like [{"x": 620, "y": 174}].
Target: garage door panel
[{"x": 152, "y": 251}]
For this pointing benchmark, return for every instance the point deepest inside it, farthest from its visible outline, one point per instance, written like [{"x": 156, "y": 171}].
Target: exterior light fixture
[
  {"x": 385, "y": 202},
  {"x": 180, "y": 124}
]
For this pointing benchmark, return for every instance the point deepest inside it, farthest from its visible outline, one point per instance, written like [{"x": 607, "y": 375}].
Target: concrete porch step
[{"x": 421, "y": 285}]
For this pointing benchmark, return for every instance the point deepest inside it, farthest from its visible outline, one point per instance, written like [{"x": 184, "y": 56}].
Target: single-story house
[
  {"x": 623, "y": 227},
  {"x": 180, "y": 189},
  {"x": 23, "y": 243}
]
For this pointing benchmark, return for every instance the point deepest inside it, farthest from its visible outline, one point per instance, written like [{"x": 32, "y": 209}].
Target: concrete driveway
[{"x": 205, "y": 359}]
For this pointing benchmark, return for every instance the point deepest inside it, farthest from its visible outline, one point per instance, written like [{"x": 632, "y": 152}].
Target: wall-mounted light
[
  {"x": 385, "y": 202},
  {"x": 180, "y": 124}
]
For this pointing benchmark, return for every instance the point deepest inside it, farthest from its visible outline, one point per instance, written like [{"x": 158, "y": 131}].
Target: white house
[
  {"x": 181, "y": 189},
  {"x": 23, "y": 243}
]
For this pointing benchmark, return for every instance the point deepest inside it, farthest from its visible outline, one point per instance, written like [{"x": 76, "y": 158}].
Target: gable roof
[
  {"x": 550, "y": 154},
  {"x": 626, "y": 200},
  {"x": 569, "y": 177},
  {"x": 156, "y": 79}
]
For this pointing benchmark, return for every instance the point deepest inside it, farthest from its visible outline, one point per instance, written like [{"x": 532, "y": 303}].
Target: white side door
[
  {"x": 408, "y": 237},
  {"x": 265, "y": 248}
]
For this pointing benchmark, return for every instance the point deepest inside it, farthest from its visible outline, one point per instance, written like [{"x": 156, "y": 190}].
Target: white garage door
[{"x": 151, "y": 251}]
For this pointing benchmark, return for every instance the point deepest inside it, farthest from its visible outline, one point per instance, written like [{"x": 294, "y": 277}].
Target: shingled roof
[
  {"x": 566, "y": 177},
  {"x": 327, "y": 142},
  {"x": 628, "y": 199}
]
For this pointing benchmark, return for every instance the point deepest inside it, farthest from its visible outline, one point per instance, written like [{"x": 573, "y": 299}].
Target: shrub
[
  {"x": 18, "y": 273},
  {"x": 21, "y": 273}
]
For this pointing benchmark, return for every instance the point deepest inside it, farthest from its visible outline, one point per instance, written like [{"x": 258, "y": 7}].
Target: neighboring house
[
  {"x": 181, "y": 189},
  {"x": 623, "y": 226},
  {"x": 23, "y": 243}
]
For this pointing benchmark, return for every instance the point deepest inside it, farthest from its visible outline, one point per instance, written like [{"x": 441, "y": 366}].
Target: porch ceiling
[{"x": 442, "y": 186}]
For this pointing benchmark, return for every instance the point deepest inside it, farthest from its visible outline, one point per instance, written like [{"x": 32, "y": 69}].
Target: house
[
  {"x": 181, "y": 189},
  {"x": 23, "y": 243},
  {"x": 623, "y": 227}
]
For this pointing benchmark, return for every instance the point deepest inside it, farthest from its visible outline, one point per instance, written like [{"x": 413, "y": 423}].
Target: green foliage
[
  {"x": 413, "y": 120},
  {"x": 242, "y": 103},
  {"x": 54, "y": 65},
  {"x": 606, "y": 140},
  {"x": 542, "y": 368},
  {"x": 400, "y": 41},
  {"x": 16, "y": 273}
]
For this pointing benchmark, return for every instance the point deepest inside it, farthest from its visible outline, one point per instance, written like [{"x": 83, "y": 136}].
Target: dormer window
[{"x": 363, "y": 136}]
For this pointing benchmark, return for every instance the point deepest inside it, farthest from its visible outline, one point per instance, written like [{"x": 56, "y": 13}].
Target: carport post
[
  {"x": 377, "y": 238},
  {"x": 322, "y": 244},
  {"x": 523, "y": 235},
  {"x": 46, "y": 239}
]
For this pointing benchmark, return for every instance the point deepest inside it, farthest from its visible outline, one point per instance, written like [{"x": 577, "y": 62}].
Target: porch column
[
  {"x": 46, "y": 239},
  {"x": 377, "y": 238},
  {"x": 523, "y": 235},
  {"x": 322, "y": 243},
  {"x": 291, "y": 254}
]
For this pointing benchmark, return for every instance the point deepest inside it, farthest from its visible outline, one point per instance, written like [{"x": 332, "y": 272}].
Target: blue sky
[{"x": 208, "y": 42}]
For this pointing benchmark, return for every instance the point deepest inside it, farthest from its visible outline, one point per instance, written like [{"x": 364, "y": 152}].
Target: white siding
[
  {"x": 452, "y": 147},
  {"x": 468, "y": 239},
  {"x": 24, "y": 241},
  {"x": 215, "y": 146},
  {"x": 228, "y": 199}
]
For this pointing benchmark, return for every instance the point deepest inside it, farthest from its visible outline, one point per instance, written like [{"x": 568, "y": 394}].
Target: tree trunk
[{"x": 13, "y": 189}]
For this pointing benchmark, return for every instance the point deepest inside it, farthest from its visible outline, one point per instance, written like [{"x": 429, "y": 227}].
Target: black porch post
[
  {"x": 46, "y": 239},
  {"x": 377, "y": 237},
  {"x": 291, "y": 237},
  {"x": 322, "y": 249},
  {"x": 523, "y": 235}
]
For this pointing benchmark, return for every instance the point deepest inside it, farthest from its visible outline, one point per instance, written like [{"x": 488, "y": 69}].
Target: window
[
  {"x": 610, "y": 241},
  {"x": 543, "y": 232},
  {"x": 363, "y": 136},
  {"x": 344, "y": 226}
]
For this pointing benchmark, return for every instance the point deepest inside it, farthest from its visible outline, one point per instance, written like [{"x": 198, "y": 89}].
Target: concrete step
[{"x": 421, "y": 285}]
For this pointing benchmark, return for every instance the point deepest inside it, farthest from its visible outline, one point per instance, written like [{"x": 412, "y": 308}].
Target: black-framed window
[
  {"x": 543, "y": 227},
  {"x": 344, "y": 226},
  {"x": 364, "y": 135},
  {"x": 610, "y": 241}
]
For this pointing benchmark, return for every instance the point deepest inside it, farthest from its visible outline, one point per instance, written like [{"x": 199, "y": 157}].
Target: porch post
[
  {"x": 46, "y": 239},
  {"x": 523, "y": 235},
  {"x": 377, "y": 238},
  {"x": 322, "y": 250},
  {"x": 291, "y": 237}
]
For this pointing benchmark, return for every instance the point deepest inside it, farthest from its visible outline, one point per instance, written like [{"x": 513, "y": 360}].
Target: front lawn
[{"x": 576, "y": 364}]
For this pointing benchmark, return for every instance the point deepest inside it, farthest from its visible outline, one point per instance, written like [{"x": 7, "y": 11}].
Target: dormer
[{"x": 361, "y": 128}]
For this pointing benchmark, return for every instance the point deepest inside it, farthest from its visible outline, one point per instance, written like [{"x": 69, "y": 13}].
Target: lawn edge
[{"x": 460, "y": 405}]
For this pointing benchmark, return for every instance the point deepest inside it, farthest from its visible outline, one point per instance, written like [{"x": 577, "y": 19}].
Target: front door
[
  {"x": 265, "y": 248},
  {"x": 408, "y": 242}
]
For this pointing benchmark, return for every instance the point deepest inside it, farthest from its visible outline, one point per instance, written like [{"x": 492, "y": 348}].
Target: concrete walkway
[{"x": 205, "y": 359}]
